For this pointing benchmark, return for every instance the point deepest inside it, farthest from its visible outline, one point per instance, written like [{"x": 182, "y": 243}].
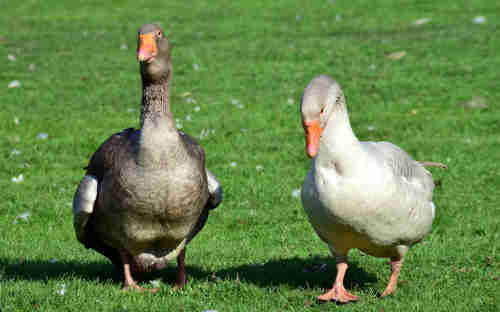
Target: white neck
[{"x": 338, "y": 147}]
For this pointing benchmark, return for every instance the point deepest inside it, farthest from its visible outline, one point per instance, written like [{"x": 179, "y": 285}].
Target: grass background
[{"x": 257, "y": 248}]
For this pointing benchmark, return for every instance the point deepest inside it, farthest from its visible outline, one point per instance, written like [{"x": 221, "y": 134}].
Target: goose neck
[
  {"x": 155, "y": 106},
  {"x": 338, "y": 146}
]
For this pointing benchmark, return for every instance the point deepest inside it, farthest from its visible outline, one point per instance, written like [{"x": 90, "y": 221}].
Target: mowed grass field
[{"x": 239, "y": 71}]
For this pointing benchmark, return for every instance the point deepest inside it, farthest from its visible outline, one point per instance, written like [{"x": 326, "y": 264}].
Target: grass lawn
[{"x": 239, "y": 71}]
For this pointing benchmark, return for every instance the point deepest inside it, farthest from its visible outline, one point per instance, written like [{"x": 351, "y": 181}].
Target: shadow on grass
[
  {"x": 294, "y": 272},
  {"x": 43, "y": 270}
]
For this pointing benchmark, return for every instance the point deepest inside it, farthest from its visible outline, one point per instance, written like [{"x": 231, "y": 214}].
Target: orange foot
[
  {"x": 387, "y": 292},
  {"x": 339, "y": 294}
]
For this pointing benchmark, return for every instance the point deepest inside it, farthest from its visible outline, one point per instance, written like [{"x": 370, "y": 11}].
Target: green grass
[{"x": 252, "y": 253}]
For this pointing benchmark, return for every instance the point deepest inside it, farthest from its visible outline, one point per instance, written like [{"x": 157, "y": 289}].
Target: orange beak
[
  {"x": 147, "y": 47},
  {"x": 313, "y": 134}
]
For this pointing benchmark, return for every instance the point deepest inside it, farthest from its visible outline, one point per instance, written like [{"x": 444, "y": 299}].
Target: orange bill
[
  {"x": 147, "y": 47},
  {"x": 313, "y": 134}
]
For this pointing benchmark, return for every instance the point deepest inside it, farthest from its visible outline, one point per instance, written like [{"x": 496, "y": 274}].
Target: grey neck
[
  {"x": 159, "y": 142},
  {"x": 155, "y": 106}
]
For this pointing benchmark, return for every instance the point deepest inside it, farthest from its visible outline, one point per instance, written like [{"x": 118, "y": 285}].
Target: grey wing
[
  {"x": 214, "y": 199},
  {"x": 214, "y": 187},
  {"x": 111, "y": 152},
  {"x": 83, "y": 205},
  {"x": 401, "y": 164}
]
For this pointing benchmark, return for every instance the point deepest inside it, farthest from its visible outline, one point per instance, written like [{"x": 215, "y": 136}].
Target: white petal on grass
[
  {"x": 14, "y": 84},
  {"x": 190, "y": 100},
  {"x": 241, "y": 106},
  {"x": 123, "y": 46},
  {"x": 209, "y": 310},
  {"x": 32, "y": 67},
  {"x": 206, "y": 132},
  {"x": 42, "y": 136},
  {"x": 235, "y": 101},
  {"x": 23, "y": 216},
  {"x": 372, "y": 67},
  {"x": 298, "y": 18},
  {"x": 203, "y": 134},
  {"x": 479, "y": 20},
  {"x": 197, "y": 109},
  {"x": 188, "y": 118},
  {"x": 422, "y": 21},
  {"x": 338, "y": 18},
  {"x": 178, "y": 125},
  {"x": 15, "y": 152},
  {"x": 16, "y": 120},
  {"x": 296, "y": 193},
  {"x": 61, "y": 289},
  {"x": 196, "y": 67},
  {"x": 130, "y": 110},
  {"x": 290, "y": 101},
  {"x": 155, "y": 283},
  {"x": 259, "y": 167},
  {"x": 11, "y": 57},
  {"x": 233, "y": 164},
  {"x": 18, "y": 179},
  {"x": 477, "y": 102},
  {"x": 371, "y": 128}
]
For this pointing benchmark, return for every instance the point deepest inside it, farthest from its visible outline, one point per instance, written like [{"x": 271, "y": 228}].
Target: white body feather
[{"x": 367, "y": 195}]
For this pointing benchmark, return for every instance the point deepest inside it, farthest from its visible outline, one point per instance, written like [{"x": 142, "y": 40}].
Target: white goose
[{"x": 367, "y": 195}]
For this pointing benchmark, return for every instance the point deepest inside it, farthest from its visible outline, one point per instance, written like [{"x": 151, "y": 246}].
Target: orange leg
[
  {"x": 128, "y": 282},
  {"x": 338, "y": 292},
  {"x": 396, "y": 264},
  {"x": 180, "y": 279}
]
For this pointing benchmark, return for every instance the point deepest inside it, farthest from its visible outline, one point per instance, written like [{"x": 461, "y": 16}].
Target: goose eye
[
  {"x": 322, "y": 110},
  {"x": 158, "y": 34}
]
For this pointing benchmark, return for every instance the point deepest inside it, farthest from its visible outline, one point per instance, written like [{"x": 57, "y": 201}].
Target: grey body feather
[{"x": 147, "y": 191}]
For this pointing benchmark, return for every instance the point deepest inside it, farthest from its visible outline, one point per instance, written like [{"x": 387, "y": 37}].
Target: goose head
[
  {"x": 322, "y": 97},
  {"x": 153, "y": 53}
]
